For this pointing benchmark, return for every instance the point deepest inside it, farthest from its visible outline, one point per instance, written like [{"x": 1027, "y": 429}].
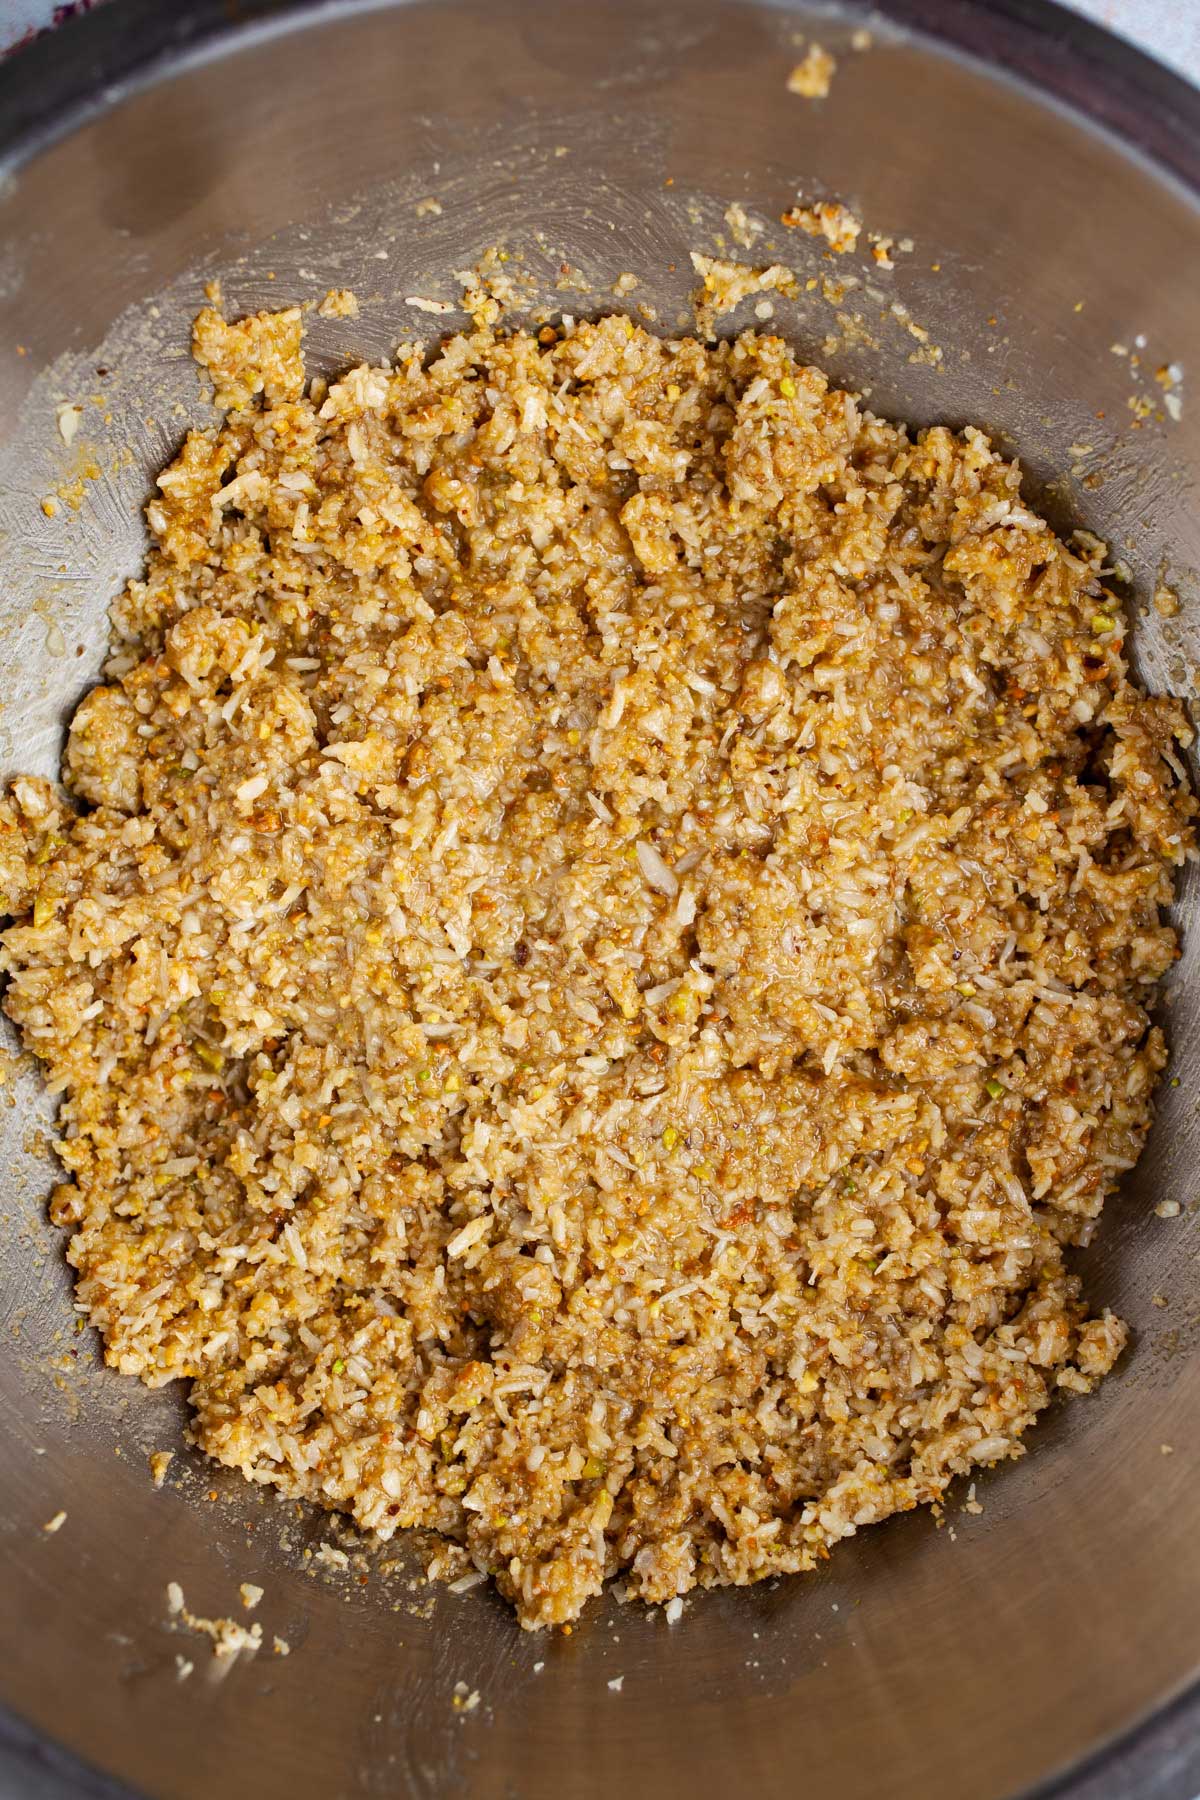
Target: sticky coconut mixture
[{"x": 597, "y": 954}]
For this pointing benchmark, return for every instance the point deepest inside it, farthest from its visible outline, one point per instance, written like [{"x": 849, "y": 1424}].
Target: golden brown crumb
[
  {"x": 228, "y": 1638},
  {"x": 828, "y": 219},
  {"x": 812, "y": 77},
  {"x": 160, "y": 1462},
  {"x": 339, "y": 303},
  {"x": 724, "y": 285},
  {"x": 743, "y": 228},
  {"x": 257, "y": 355}
]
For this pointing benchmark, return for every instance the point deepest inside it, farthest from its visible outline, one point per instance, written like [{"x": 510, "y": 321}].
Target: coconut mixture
[{"x": 597, "y": 954}]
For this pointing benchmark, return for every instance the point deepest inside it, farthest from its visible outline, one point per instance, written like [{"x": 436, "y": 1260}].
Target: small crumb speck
[
  {"x": 339, "y": 303},
  {"x": 69, "y": 415},
  {"x": 828, "y": 219},
  {"x": 812, "y": 78},
  {"x": 616, "y": 1684},
  {"x": 251, "y": 1595},
  {"x": 742, "y": 227},
  {"x": 56, "y": 1523},
  {"x": 423, "y": 304}
]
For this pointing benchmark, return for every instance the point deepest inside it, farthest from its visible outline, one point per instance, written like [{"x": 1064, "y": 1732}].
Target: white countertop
[{"x": 1169, "y": 29}]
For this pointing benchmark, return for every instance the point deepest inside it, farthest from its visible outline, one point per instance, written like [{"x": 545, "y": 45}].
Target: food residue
[
  {"x": 228, "y": 1637},
  {"x": 160, "y": 1462},
  {"x": 69, "y": 415},
  {"x": 828, "y": 219},
  {"x": 812, "y": 77},
  {"x": 339, "y": 303}
]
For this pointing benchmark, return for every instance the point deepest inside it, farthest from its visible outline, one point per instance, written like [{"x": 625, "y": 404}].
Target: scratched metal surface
[{"x": 977, "y": 1658}]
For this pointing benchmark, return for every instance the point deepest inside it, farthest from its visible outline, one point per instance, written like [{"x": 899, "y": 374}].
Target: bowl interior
[{"x": 978, "y": 1654}]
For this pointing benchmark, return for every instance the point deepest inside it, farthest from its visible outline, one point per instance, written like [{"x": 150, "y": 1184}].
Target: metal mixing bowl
[{"x": 1048, "y": 178}]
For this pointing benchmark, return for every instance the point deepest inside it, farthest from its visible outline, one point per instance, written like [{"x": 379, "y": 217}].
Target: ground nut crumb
[
  {"x": 160, "y": 1461},
  {"x": 227, "y": 1636},
  {"x": 256, "y": 355},
  {"x": 885, "y": 249},
  {"x": 812, "y": 77},
  {"x": 339, "y": 303},
  {"x": 828, "y": 219},
  {"x": 743, "y": 229},
  {"x": 606, "y": 954},
  {"x": 724, "y": 285}
]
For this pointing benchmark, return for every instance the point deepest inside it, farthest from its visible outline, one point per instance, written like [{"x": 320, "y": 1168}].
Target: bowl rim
[
  {"x": 60, "y": 80},
  {"x": 57, "y": 81}
]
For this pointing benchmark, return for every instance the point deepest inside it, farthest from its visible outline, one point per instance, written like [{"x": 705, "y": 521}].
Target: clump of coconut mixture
[{"x": 599, "y": 952}]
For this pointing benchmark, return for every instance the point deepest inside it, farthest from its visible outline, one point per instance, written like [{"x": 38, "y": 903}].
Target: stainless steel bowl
[{"x": 1048, "y": 178}]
